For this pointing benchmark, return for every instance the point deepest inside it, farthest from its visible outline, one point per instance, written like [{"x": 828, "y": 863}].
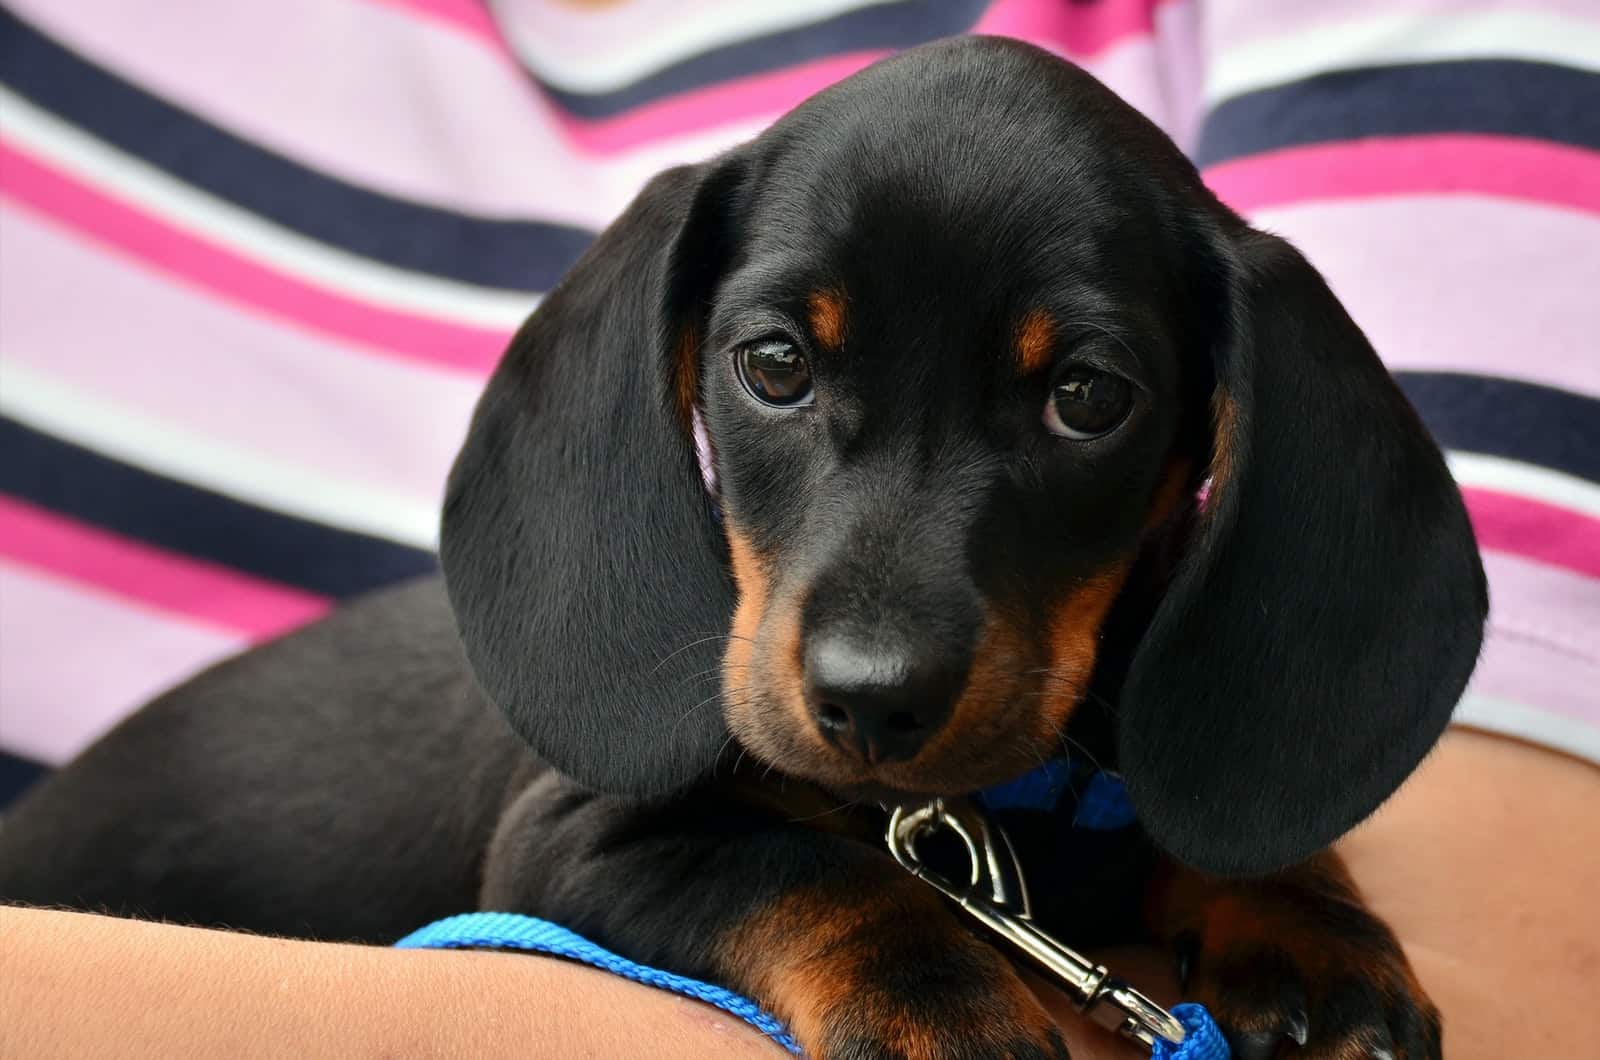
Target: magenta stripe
[
  {"x": 74, "y": 661},
  {"x": 193, "y": 589},
  {"x": 1078, "y": 30},
  {"x": 1543, "y": 532},
  {"x": 1477, "y": 165},
  {"x": 229, "y": 274},
  {"x": 1461, "y": 283}
]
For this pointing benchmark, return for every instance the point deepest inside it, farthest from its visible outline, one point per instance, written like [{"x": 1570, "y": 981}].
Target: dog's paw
[
  {"x": 939, "y": 1013},
  {"x": 1325, "y": 980}
]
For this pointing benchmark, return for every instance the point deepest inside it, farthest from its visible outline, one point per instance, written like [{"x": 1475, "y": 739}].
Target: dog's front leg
[
  {"x": 860, "y": 959},
  {"x": 1295, "y": 955}
]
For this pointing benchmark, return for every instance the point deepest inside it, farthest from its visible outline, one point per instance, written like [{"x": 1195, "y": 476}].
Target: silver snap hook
[{"x": 995, "y": 894}]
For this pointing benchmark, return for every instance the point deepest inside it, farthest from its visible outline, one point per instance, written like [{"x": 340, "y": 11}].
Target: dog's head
[{"x": 847, "y": 443}]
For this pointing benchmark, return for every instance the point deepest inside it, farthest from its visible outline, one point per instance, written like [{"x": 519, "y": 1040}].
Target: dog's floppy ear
[
  {"x": 587, "y": 572},
  {"x": 1328, "y": 612}
]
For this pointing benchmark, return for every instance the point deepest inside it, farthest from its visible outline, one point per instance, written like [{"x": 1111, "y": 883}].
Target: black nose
[{"x": 879, "y": 702}]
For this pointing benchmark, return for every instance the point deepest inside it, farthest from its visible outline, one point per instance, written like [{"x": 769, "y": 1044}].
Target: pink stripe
[
  {"x": 217, "y": 373},
  {"x": 233, "y": 276},
  {"x": 1527, "y": 669},
  {"x": 1475, "y": 165},
  {"x": 1461, "y": 283},
  {"x": 74, "y": 662},
  {"x": 1543, "y": 646},
  {"x": 194, "y": 589},
  {"x": 1535, "y": 530}
]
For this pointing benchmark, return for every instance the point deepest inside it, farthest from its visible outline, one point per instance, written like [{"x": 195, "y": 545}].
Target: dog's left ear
[
  {"x": 588, "y": 576},
  {"x": 1328, "y": 612}
]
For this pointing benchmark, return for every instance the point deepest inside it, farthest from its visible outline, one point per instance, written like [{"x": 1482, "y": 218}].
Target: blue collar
[{"x": 1102, "y": 801}]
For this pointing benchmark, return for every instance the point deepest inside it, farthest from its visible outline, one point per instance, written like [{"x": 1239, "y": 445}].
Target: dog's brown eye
[
  {"x": 775, "y": 373},
  {"x": 1087, "y": 403}
]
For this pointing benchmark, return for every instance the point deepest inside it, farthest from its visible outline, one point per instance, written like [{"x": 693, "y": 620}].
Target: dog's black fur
[{"x": 941, "y": 237}]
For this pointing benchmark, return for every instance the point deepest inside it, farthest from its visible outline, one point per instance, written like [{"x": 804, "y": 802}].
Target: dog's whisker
[
  {"x": 716, "y": 671},
  {"x": 1069, "y": 744},
  {"x": 707, "y": 639},
  {"x": 685, "y": 715},
  {"x": 852, "y": 804}
]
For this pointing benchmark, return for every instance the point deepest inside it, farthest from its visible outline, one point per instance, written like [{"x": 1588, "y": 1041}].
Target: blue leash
[
  {"x": 1102, "y": 804},
  {"x": 511, "y": 931}
]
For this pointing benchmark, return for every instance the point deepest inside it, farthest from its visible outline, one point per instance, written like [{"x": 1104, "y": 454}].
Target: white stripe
[
  {"x": 614, "y": 60},
  {"x": 1525, "y": 480},
  {"x": 1402, "y": 38},
  {"x": 1530, "y": 723},
  {"x": 303, "y": 492},
  {"x": 216, "y": 220}
]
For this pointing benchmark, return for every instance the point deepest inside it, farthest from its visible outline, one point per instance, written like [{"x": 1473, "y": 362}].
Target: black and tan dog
[{"x": 958, "y": 343}]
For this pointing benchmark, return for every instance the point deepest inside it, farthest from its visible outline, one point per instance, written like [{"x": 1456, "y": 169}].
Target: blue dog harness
[{"x": 1102, "y": 804}]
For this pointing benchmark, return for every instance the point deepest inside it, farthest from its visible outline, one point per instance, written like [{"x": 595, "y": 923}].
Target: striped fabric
[{"x": 257, "y": 258}]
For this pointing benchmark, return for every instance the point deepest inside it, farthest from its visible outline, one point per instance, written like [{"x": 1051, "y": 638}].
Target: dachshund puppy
[{"x": 948, "y": 424}]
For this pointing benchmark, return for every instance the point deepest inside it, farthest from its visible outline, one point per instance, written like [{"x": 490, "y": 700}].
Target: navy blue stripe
[
  {"x": 160, "y": 511},
  {"x": 1534, "y": 100},
  {"x": 17, "y": 774},
  {"x": 513, "y": 254},
  {"x": 880, "y": 26},
  {"x": 1508, "y": 418}
]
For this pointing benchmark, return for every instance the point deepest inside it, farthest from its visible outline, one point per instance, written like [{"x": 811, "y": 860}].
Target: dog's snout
[{"x": 878, "y": 702}]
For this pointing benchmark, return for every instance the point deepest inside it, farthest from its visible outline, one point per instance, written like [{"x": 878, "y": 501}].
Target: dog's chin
[
  {"x": 870, "y": 793},
  {"x": 901, "y": 783}
]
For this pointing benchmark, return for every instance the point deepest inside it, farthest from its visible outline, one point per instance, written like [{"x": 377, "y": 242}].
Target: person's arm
[
  {"x": 1487, "y": 865},
  {"x": 80, "y": 985}
]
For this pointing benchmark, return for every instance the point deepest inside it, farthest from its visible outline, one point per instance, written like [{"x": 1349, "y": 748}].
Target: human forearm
[{"x": 78, "y": 985}]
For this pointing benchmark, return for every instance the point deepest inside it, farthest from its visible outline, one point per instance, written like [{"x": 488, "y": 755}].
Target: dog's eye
[
  {"x": 1087, "y": 403},
  {"x": 775, "y": 373}
]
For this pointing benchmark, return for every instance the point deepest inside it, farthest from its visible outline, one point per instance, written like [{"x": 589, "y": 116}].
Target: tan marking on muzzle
[{"x": 1074, "y": 635}]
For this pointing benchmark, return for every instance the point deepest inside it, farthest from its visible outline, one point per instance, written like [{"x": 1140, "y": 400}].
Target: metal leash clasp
[{"x": 996, "y": 895}]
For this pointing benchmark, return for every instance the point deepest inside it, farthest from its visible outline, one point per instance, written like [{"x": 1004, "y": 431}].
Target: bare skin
[{"x": 1486, "y": 863}]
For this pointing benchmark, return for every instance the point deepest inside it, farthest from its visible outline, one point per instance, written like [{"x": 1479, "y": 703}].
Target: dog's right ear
[{"x": 587, "y": 572}]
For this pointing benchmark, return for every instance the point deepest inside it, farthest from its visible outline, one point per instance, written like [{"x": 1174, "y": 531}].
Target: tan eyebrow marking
[
  {"x": 827, "y": 318},
  {"x": 1035, "y": 342}
]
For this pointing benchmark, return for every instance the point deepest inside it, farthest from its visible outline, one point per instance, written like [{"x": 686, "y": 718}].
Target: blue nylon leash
[
  {"x": 511, "y": 931},
  {"x": 1102, "y": 803}
]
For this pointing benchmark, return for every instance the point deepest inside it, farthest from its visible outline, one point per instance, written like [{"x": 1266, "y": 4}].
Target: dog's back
[{"x": 339, "y": 783}]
